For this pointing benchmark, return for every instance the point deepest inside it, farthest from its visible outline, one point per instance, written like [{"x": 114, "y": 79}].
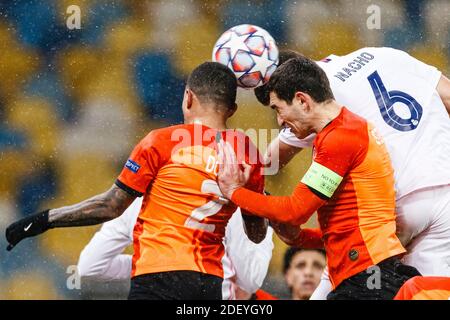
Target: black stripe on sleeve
[
  {"x": 319, "y": 194},
  {"x": 127, "y": 189}
]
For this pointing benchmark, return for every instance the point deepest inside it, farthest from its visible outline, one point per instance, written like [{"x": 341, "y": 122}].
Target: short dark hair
[
  {"x": 291, "y": 252},
  {"x": 262, "y": 92},
  {"x": 213, "y": 82},
  {"x": 300, "y": 74}
]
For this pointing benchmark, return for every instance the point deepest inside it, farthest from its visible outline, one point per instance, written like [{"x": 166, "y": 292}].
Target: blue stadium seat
[
  {"x": 37, "y": 24},
  {"x": 269, "y": 15},
  {"x": 11, "y": 138},
  {"x": 159, "y": 89},
  {"x": 413, "y": 29},
  {"x": 35, "y": 188},
  {"x": 401, "y": 37},
  {"x": 100, "y": 15},
  {"x": 46, "y": 84}
]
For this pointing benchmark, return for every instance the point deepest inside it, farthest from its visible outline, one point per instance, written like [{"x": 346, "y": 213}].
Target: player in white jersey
[
  {"x": 409, "y": 103},
  {"x": 245, "y": 263}
]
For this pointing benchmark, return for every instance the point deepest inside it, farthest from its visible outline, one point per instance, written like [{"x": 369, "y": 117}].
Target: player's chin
[{"x": 308, "y": 288}]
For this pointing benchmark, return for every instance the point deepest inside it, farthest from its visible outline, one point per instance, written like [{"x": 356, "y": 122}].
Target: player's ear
[
  {"x": 303, "y": 99},
  {"x": 189, "y": 98}
]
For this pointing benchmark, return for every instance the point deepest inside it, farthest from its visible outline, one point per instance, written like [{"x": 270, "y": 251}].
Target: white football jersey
[{"x": 397, "y": 93}]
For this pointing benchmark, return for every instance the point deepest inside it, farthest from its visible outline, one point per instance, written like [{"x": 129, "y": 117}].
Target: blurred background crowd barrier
[{"x": 73, "y": 103}]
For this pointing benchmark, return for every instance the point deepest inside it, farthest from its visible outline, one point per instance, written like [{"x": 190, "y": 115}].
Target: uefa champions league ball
[{"x": 250, "y": 52}]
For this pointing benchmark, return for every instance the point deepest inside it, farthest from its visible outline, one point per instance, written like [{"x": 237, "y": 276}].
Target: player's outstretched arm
[
  {"x": 98, "y": 209},
  {"x": 281, "y": 152},
  {"x": 103, "y": 258},
  {"x": 295, "y": 209},
  {"x": 443, "y": 88},
  {"x": 295, "y": 236}
]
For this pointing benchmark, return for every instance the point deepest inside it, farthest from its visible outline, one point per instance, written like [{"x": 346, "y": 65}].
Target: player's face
[
  {"x": 304, "y": 273},
  {"x": 291, "y": 115}
]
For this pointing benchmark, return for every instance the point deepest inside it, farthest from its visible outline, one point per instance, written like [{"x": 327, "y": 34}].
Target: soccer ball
[{"x": 250, "y": 52}]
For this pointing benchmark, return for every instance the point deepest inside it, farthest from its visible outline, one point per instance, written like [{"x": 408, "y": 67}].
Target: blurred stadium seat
[
  {"x": 437, "y": 13},
  {"x": 16, "y": 63},
  {"x": 37, "y": 118},
  {"x": 32, "y": 285},
  {"x": 74, "y": 102},
  {"x": 158, "y": 86}
]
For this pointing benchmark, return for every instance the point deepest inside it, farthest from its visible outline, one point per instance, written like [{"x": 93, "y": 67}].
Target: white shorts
[
  {"x": 423, "y": 226},
  {"x": 324, "y": 287}
]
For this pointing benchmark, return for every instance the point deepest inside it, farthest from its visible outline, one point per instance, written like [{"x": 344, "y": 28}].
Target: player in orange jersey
[
  {"x": 178, "y": 236},
  {"x": 425, "y": 288},
  {"x": 350, "y": 184}
]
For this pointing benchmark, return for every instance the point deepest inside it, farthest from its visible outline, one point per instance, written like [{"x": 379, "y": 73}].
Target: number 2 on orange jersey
[{"x": 208, "y": 209}]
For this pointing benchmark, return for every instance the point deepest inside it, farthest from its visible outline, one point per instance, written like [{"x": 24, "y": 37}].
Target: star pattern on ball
[
  {"x": 236, "y": 43},
  {"x": 263, "y": 62}
]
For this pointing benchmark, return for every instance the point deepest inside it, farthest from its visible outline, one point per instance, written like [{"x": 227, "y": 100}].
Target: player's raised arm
[
  {"x": 295, "y": 236},
  {"x": 281, "y": 152},
  {"x": 98, "y": 209},
  {"x": 443, "y": 88},
  {"x": 295, "y": 209},
  {"x": 137, "y": 174}
]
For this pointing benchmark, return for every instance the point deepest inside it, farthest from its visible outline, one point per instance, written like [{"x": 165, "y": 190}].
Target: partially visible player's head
[
  {"x": 211, "y": 88},
  {"x": 299, "y": 89},
  {"x": 302, "y": 271},
  {"x": 262, "y": 92}
]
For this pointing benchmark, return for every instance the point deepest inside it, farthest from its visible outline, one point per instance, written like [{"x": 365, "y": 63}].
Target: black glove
[{"x": 27, "y": 227}]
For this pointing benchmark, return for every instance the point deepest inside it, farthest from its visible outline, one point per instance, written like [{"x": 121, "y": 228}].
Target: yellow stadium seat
[
  {"x": 13, "y": 164},
  {"x": 65, "y": 244},
  {"x": 128, "y": 37},
  {"x": 77, "y": 67},
  {"x": 432, "y": 54},
  {"x": 38, "y": 119},
  {"x": 31, "y": 285},
  {"x": 337, "y": 37},
  {"x": 16, "y": 63},
  {"x": 113, "y": 80},
  {"x": 83, "y": 176},
  {"x": 194, "y": 43},
  {"x": 106, "y": 74}
]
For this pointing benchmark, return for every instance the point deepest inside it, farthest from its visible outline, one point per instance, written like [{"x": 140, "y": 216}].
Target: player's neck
[
  {"x": 328, "y": 111},
  {"x": 212, "y": 122}
]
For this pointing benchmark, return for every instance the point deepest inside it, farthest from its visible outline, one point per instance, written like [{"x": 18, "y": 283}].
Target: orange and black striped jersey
[
  {"x": 351, "y": 186},
  {"x": 182, "y": 219}
]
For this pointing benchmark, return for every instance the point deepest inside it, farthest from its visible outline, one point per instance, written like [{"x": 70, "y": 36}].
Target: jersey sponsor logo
[
  {"x": 354, "y": 66},
  {"x": 322, "y": 179},
  {"x": 133, "y": 166}
]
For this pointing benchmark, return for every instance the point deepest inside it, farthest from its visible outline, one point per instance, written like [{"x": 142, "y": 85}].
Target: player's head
[
  {"x": 298, "y": 91},
  {"x": 302, "y": 271},
  {"x": 211, "y": 88},
  {"x": 262, "y": 92}
]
